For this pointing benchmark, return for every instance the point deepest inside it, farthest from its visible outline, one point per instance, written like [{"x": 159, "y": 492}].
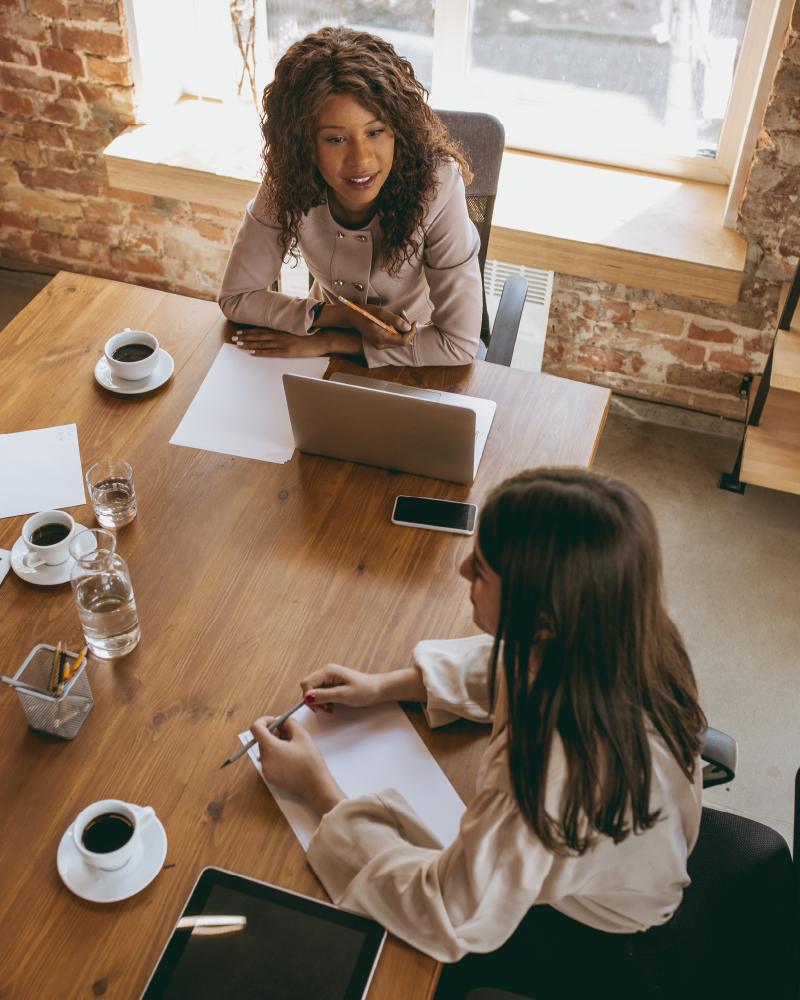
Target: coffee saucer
[
  {"x": 162, "y": 372},
  {"x": 42, "y": 576},
  {"x": 110, "y": 887}
]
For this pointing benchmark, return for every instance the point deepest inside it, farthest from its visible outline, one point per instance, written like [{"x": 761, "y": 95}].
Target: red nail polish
[{"x": 310, "y": 698}]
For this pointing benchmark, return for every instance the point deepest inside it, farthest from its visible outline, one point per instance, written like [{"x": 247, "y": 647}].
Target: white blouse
[{"x": 375, "y": 856}]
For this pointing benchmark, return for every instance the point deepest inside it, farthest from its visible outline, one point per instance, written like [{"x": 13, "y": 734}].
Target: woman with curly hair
[{"x": 362, "y": 180}]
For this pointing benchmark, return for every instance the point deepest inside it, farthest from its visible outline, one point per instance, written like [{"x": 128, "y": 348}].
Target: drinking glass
[
  {"x": 110, "y": 485},
  {"x": 103, "y": 594}
]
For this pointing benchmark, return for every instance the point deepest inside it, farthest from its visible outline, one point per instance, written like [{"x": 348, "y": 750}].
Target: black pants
[{"x": 550, "y": 957}]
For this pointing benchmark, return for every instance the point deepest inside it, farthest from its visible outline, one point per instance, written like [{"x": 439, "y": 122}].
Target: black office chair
[
  {"x": 736, "y": 934},
  {"x": 483, "y": 139}
]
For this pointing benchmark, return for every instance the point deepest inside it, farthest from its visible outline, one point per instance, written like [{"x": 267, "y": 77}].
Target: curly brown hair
[{"x": 335, "y": 61}]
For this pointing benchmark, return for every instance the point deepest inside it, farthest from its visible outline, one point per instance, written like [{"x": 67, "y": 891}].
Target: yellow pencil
[{"x": 364, "y": 312}]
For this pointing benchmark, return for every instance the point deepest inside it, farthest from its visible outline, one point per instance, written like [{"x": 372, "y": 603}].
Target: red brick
[
  {"x": 601, "y": 359},
  {"x": 13, "y": 52},
  {"x": 69, "y": 90},
  {"x": 60, "y": 180},
  {"x": 49, "y": 8},
  {"x": 209, "y": 231},
  {"x": 62, "y": 61},
  {"x": 138, "y": 265},
  {"x": 111, "y": 72},
  {"x": 26, "y": 79},
  {"x": 46, "y": 135},
  {"x": 19, "y": 152},
  {"x": 658, "y": 322},
  {"x": 95, "y": 10},
  {"x": 760, "y": 344},
  {"x": 221, "y": 213},
  {"x": 138, "y": 243},
  {"x": 54, "y": 244},
  {"x": 614, "y": 311},
  {"x": 90, "y": 140},
  {"x": 102, "y": 211},
  {"x": 16, "y": 104},
  {"x": 730, "y": 362},
  {"x": 16, "y": 220},
  {"x": 701, "y": 378},
  {"x": 13, "y": 24},
  {"x": 94, "y": 232},
  {"x": 135, "y": 198},
  {"x": 96, "y": 43},
  {"x": 64, "y": 112},
  {"x": 63, "y": 159},
  {"x": 690, "y": 354},
  {"x": 42, "y": 243},
  {"x": 724, "y": 336}
]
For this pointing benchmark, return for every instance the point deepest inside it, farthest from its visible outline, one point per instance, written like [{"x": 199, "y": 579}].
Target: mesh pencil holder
[{"x": 61, "y": 717}]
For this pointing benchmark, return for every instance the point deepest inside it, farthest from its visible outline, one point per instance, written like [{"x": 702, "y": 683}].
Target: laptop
[{"x": 421, "y": 431}]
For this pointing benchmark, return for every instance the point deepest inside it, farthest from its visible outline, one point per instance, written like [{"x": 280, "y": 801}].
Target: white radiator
[{"x": 535, "y": 313}]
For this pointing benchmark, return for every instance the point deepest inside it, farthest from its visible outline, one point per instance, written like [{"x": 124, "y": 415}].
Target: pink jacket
[{"x": 440, "y": 289}]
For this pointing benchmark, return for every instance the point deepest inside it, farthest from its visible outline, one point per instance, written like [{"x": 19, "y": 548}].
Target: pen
[
  {"x": 271, "y": 727},
  {"x": 364, "y": 312}
]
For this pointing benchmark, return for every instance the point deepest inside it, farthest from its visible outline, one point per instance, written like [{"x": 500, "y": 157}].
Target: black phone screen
[{"x": 437, "y": 513}]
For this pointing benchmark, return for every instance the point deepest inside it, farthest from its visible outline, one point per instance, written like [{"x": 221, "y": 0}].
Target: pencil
[
  {"x": 271, "y": 727},
  {"x": 364, "y": 312},
  {"x": 56, "y": 657}
]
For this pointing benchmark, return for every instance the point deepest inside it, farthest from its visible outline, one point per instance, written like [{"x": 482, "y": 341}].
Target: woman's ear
[{"x": 545, "y": 631}]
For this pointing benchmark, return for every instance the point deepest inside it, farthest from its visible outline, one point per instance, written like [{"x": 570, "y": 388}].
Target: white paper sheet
[
  {"x": 40, "y": 470},
  {"x": 367, "y": 750},
  {"x": 240, "y": 409}
]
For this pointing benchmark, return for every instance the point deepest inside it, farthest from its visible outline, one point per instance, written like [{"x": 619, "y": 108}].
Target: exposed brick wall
[{"x": 66, "y": 91}]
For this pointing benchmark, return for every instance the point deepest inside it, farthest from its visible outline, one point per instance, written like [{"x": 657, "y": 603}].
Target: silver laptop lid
[{"x": 385, "y": 429}]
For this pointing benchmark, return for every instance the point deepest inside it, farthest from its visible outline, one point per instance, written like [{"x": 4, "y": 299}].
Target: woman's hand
[
  {"x": 291, "y": 760},
  {"x": 265, "y": 343},
  {"x": 341, "y": 316},
  {"x": 339, "y": 685}
]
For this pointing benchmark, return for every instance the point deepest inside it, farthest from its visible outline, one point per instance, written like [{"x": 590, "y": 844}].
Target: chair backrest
[
  {"x": 734, "y": 928},
  {"x": 483, "y": 139}
]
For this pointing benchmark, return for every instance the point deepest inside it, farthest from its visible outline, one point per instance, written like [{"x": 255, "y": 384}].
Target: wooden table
[{"x": 247, "y": 576}]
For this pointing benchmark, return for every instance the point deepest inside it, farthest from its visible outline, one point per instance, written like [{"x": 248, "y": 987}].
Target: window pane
[
  {"x": 405, "y": 24},
  {"x": 647, "y": 76}
]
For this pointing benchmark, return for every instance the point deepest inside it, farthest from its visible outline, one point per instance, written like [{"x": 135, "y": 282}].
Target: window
[{"x": 657, "y": 85}]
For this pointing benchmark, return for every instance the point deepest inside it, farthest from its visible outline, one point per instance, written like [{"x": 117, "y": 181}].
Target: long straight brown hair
[{"x": 580, "y": 563}]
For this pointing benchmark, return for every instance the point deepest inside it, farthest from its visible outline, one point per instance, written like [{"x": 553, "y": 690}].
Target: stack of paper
[
  {"x": 240, "y": 409},
  {"x": 367, "y": 750},
  {"x": 40, "y": 470}
]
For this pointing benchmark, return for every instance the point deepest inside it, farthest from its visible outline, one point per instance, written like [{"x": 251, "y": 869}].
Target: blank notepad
[{"x": 367, "y": 750}]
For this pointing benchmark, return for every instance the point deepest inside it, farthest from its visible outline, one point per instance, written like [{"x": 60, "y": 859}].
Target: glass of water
[
  {"x": 110, "y": 485},
  {"x": 103, "y": 593}
]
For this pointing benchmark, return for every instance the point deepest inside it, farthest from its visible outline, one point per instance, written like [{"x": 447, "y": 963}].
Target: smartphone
[{"x": 436, "y": 515}]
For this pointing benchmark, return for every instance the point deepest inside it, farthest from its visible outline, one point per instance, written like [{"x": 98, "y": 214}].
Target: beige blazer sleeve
[
  {"x": 456, "y": 676},
  {"x": 254, "y": 264}
]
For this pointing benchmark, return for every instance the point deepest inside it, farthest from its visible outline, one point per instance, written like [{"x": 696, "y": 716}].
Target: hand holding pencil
[{"x": 378, "y": 329}]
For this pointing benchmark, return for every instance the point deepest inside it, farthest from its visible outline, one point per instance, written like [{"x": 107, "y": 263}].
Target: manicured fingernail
[
  {"x": 405, "y": 327},
  {"x": 310, "y": 698}
]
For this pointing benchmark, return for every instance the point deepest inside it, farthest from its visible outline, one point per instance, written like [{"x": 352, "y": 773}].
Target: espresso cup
[
  {"x": 49, "y": 548},
  {"x": 132, "y": 370},
  {"x": 108, "y": 832}
]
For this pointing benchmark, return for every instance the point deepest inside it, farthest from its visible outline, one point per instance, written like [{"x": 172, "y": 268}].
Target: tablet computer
[{"x": 241, "y": 939}]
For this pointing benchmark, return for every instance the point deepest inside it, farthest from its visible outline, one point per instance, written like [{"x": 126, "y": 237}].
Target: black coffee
[
  {"x": 132, "y": 352},
  {"x": 49, "y": 534},
  {"x": 107, "y": 832}
]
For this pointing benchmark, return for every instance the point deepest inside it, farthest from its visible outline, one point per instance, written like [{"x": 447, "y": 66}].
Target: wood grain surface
[{"x": 247, "y": 576}]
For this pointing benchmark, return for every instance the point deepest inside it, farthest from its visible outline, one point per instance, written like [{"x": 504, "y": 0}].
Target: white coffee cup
[
  {"x": 51, "y": 555},
  {"x": 132, "y": 370},
  {"x": 139, "y": 817}
]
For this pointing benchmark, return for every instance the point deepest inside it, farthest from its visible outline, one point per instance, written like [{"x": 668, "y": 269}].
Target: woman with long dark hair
[
  {"x": 363, "y": 181},
  {"x": 571, "y": 859}
]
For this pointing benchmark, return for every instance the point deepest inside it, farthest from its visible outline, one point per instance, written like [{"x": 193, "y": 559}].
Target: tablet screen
[{"x": 239, "y": 939}]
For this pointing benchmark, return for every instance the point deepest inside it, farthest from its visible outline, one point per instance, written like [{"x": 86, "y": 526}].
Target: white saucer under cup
[
  {"x": 42, "y": 576},
  {"x": 98, "y": 886},
  {"x": 128, "y": 387}
]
